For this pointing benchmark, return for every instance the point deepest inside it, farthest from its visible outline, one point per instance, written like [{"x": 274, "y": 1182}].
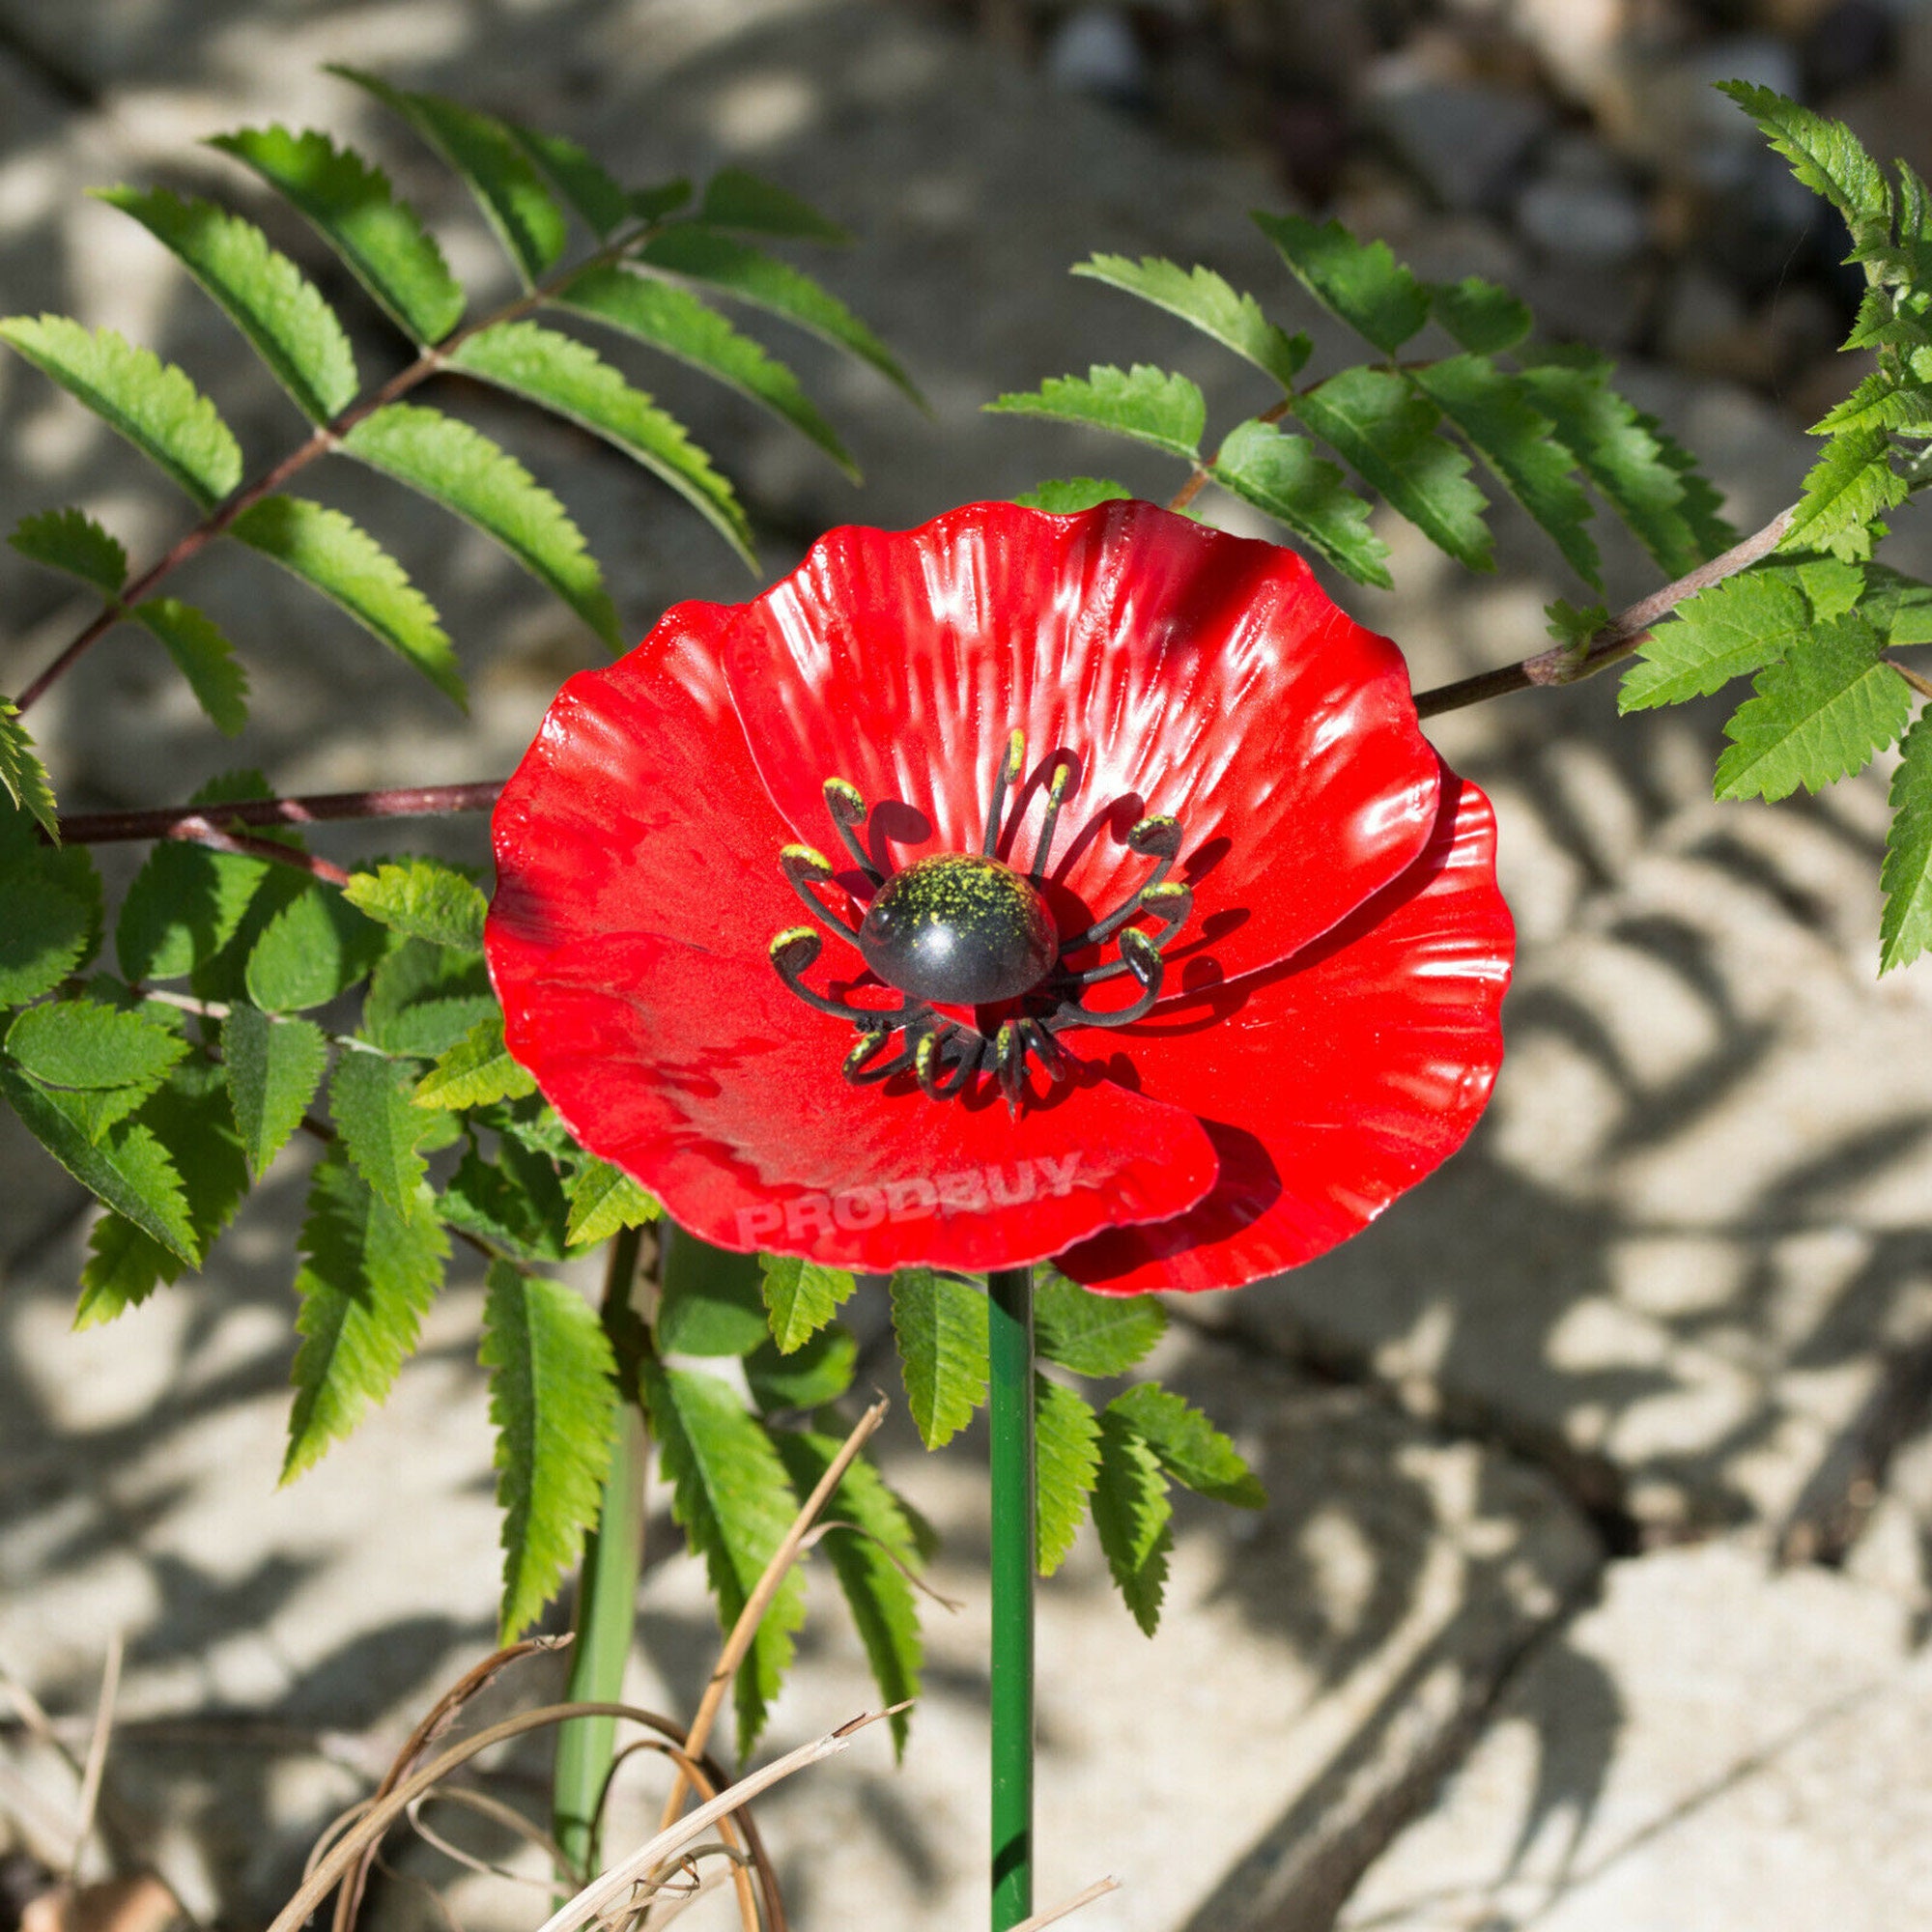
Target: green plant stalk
[
  {"x": 1010, "y": 1412},
  {"x": 607, "y": 1596}
]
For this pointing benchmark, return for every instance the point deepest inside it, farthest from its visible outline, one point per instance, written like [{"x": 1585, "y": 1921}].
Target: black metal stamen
[
  {"x": 847, "y": 804},
  {"x": 1056, "y": 793},
  {"x": 982, "y": 902},
  {"x": 805, "y": 867},
  {"x": 1006, "y": 774}
]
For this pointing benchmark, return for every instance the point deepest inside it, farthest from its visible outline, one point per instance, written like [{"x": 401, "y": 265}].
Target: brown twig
[
  {"x": 1618, "y": 638},
  {"x": 745, "y": 1627},
  {"x": 1919, "y": 683},
  {"x": 1067, "y": 1907},
  {"x": 101, "y": 828},
  {"x": 441, "y": 1715}
]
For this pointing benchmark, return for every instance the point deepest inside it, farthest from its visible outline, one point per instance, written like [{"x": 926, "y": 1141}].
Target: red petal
[
  {"x": 637, "y": 810},
  {"x": 722, "y": 1092},
  {"x": 1194, "y": 673},
  {"x": 1333, "y": 1081}
]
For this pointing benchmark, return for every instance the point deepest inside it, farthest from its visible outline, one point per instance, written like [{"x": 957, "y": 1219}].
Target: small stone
[
  {"x": 1583, "y": 207},
  {"x": 1094, "y": 51},
  {"x": 1464, "y": 140}
]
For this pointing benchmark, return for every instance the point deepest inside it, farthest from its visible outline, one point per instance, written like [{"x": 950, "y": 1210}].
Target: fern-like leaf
[
  {"x": 203, "y": 656},
  {"x": 381, "y": 240},
  {"x": 1201, "y": 297},
  {"x": 1906, "y": 927},
  {"x": 368, "y": 1276},
  {"x": 570, "y": 377},
  {"x": 72, "y": 541},
  {"x": 151, "y": 403},
  {"x": 280, "y": 311},
  {"x": 943, "y": 1330},
  {"x": 1148, "y": 404},
  {"x": 1360, "y": 282},
  {"x": 1283, "y": 476},
  {"x": 553, "y": 1399},
  {"x": 461, "y": 468}
]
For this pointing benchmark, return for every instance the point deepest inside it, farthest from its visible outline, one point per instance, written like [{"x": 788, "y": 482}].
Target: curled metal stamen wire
[{"x": 942, "y": 1055}]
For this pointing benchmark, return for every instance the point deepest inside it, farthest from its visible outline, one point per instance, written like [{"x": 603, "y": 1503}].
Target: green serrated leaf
[
  {"x": 1064, "y": 496},
  {"x": 749, "y": 275},
  {"x": 123, "y": 1267},
  {"x": 342, "y": 560},
  {"x": 1573, "y": 626},
  {"x": 652, "y": 204},
  {"x": 942, "y": 1326},
  {"x": 801, "y": 1298},
  {"x": 274, "y": 1070},
  {"x": 747, "y": 202},
  {"x": 1282, "y": 476},
  {"x": 474, "y": 1072},
  {"x": 514, "y": 1201},
  {"x": 1740, "y": 625},
  {"x": 44, "y": 937},
  {"x": 370, "y": 1106},
  {"x": 203, "y": 656},
  {"x": 604, "y": 1199},
  {"x": 423, "y": 898},
  {"x": 368, "y": 1276},
  {"x": 871, "y": 1560},
  {"x": 84, "y": 1044},
  {"x": 1831, "y": 587},
  {"x": 552, "y": 1401},
  {"x": 72, "y": 541},
  {"x": 581, "y": 179},
  {"x": 732, "y": 1500},
  {"x": 1623, "y": 455},
  {"x": 189, "y": 1115},
  {"x": 153, "y": 405},
  {"x": 1187, "y": 1445},
  {"x": 1201, "y": 297},
  {"x": 1905, "y": 929},
  {"x": 461, "y": 468},
  {"x": 1131, "y": 1512},
  {"x": 422, "y": 1000},
  {"x": 1821, "y": 713},
  {"x": 1360, "y": 282},
  {"x": 1067, "y": 1454},
  {"x": 1492, "y": 409},
  {"x": 814, "y": 1374},
  {"x": 1092, "y": 1334},
  {"x": 1387, "y": 433},
  {"x": 1889, "y": 399},
  {"x": 569, "y": 377},
  {"x": 349, "y": 203},
  {"x": 1145, "y": 402},
  {"x": 1826, "y": 156},
  {"x": 280, "y": 311},
  {"x": 129, "y": 1170},
  {"x": 1852, "y": 484},
  {"x": 1480, "y": 316},
  {"x": 713, "y": 1302},
  {"x": 22, "y": 774},
  {"x": 1897, "y": 606},
  {"x": 515, "y": 203},
  {"x": 186, "y": 902},
  {"x": 313, "y": 949},
  {"x": 669, "y": 317}
]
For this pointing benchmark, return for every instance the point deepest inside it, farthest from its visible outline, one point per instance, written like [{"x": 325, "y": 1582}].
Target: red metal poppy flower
[{"x": 1158, "y": 940}]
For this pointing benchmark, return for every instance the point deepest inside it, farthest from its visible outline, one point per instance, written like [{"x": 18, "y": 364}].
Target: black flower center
[
  {"x": 968, "y": 930},
  {"x": 960, "y": 929}
]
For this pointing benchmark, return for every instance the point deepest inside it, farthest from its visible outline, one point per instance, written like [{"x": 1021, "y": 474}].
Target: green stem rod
[
  {"x": 607, "y": 1598},
  {"x": 1009, "y": 1291}
]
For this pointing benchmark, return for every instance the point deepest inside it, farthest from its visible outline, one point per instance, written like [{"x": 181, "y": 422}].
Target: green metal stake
[
  {"x": 1011, "y": 1413},
  {"x": 607, "y": 1600}
]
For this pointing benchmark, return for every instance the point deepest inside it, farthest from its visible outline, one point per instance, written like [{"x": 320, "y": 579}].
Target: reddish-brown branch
[
  {"x": 199, "y": 831},
  {"x": 102, "y": 828},
  {"x": 1618, "y": 638}
]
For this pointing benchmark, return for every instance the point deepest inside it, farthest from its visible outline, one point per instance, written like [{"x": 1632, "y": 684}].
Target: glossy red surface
[{"x": 1330, "y": 1032}]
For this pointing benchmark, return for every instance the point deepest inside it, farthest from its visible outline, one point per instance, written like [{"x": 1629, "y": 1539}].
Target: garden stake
[
  {"x": 613, "y": 1555},
  {"x": 1010, "y": 1290}
]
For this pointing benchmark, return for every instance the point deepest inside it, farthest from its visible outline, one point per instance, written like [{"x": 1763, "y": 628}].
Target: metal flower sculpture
[{"x": 1143, "y": 928}]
